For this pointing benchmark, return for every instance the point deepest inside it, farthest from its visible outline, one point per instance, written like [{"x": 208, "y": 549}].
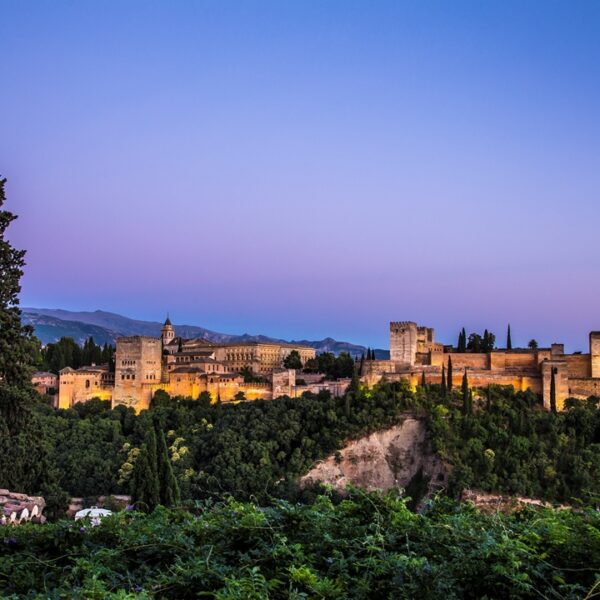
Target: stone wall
[
  {"x": 403, "y": 342},
  {"x": 595, "y": 353},
  {"x": 84, "y": 384},
  {"x": 583, "y": 388},
  {"x": 138, "y": 371},
  {"x": 561, "y": 380},
  {"x": 579, "y": 365}
]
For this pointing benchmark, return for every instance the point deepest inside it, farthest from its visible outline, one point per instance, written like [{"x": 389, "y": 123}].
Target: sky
[{"x": 308, "y": 169}]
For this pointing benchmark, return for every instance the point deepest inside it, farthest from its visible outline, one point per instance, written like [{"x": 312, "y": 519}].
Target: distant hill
[{"x": 51, "y": 324}]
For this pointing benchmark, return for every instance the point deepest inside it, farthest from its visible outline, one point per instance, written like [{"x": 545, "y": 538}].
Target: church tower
[{"x": 167, "y": 333}]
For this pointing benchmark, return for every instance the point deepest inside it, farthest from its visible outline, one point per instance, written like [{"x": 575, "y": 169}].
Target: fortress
[
  {"x": 414, "y": 353},
  {"x": 187, "y": 368},
  {"x": 181, "y": 367}
]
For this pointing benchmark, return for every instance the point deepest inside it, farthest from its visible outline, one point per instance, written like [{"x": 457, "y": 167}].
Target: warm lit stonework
[
  {"x": 183, "y": 367},
  {"x": 413, "y": 351}
]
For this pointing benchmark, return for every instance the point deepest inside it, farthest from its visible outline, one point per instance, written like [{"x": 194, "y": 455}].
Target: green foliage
[
  {"x": 67, "y": 353},
  {"x": 367, "y": 546},
  {"x": 23, "y": 463},
  {"x": 466, "y": 395},
  {"x": 169, "y": 488},
  {"x": 462, "y": 341},
  {"x": 333, "y": 367},
  {"x": 18, "y": 345},
  {"x": 553, "y": 390},
  {"x": 292, "y": 360},
  {"x": 256, "y": 449},
  {"x": 508, "y": 339}
]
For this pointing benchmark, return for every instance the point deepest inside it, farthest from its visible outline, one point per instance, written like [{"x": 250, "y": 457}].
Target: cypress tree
[
  {"x": 508, "y": 339},
  {"x": 423, "y": 380},
  {"x": 169, "y": 489},
  {"x": 553, "y": 391},
  {"x": 144, "y": 483},
  {"x": 443, "y": 383},
  {"x": 486, "y": 341},
  {"x": 449, "y": 386},
  {"x": 462, "y": 341},
  {"x": 465, "y": 393}
]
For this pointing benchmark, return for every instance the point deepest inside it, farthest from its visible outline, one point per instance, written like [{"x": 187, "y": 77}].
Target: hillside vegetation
[
  {"x": 507, "y": 443},
  {"x": 367, "y": 546}
]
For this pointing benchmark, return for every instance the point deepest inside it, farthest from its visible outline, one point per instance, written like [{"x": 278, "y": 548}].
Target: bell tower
[{"x": 167, "y": 333}]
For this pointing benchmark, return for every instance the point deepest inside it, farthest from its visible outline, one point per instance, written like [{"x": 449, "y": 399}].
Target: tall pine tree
[
  {"x": 508, "y": 339},
  {"x": 449, "y": 386}
]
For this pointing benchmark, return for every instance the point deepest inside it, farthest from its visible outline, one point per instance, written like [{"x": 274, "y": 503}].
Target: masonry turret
[{"x": 167, "y": 333}]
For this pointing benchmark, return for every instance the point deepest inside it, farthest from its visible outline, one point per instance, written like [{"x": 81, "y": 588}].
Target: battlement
[{"x": 398, "y": 324}]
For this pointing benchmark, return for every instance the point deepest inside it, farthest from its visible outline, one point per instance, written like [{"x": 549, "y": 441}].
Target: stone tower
[
  {"x": 138, "y": 370},
  {"x": 595, "y": 353},
  {"x": 167, "y": 333},
  {"x": 403, "y": 342}
]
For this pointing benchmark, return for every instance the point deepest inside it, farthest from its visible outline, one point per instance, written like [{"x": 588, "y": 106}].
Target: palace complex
[
  {"x": 414, "y": 353},
  {"x": 181, "y": 367},
  {"x": 187, "y": 368}
]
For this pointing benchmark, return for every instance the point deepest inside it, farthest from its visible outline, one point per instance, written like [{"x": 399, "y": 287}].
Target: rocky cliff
[{"x": 399, "y": 457}]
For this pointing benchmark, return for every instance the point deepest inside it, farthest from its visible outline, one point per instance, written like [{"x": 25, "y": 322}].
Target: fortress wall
[
  {"x": 476, "y": 378},
  {"x": 521, "y": 360},
  {"x": 579, "y": 365},
  {"x": 471, "y": 361},
  {"x": 595, "y": 352},
  {"x": 561, "y": 382},
  {"x": 403, "y": 342},
  {"x": 584, "y": 388}
]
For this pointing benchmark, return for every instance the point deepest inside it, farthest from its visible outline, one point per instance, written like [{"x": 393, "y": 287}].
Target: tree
[
  {"x": 343, "y": 366},
  {"x": 466, "y": 394},
  {"x": 144, "y": 482},
  {"x": 293, "y": 360},
  {"x": 532, "y": 344},
  {"x": 449, "y": 374},
  {"x": 443, "y": 383},
  {"x": 169, "y": 489},
  {"x": 508, "y": 339},
  {"x": 475, "y": 342},
  {"x": 553, "y": 390},
  {"x": 462, "y": 340},
  {"x": 423, "y": 380},
  {"x": 23, "y": 465},
  {"x": 18, "y": 345}
]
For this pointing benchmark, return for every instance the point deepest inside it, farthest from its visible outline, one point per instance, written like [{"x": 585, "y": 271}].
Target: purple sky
[{"x": 309, "y": 169}]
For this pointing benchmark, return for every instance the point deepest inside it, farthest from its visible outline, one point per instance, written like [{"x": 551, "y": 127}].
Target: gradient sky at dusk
[{"x": 303, "y": 169}]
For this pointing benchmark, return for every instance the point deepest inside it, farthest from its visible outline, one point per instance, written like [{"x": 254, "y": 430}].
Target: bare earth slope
[{"x": 387, "y": 459}]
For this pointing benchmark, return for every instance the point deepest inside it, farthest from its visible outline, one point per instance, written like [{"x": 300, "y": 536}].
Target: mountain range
[{"x": 50, "y": 324}]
